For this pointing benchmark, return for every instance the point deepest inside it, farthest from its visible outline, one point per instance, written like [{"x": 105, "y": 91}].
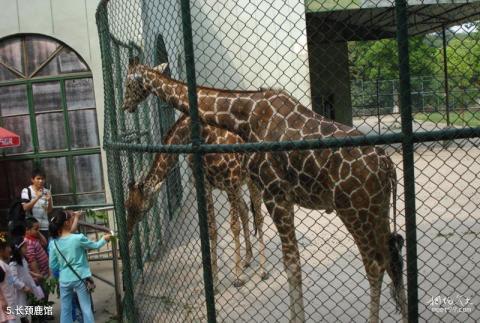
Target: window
[{"x": 47, "y": 97}]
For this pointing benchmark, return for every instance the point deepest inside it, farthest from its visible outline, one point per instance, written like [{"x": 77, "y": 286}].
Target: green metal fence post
[
  {"x": 197, "y": 160},
  {"x": 103, "y": 30},
  {"x": 408, "y": 166},
  {"x": 445, "y": 75},
  {"x": 123, "y": 129},
  {"x": 174, "y": 189}
]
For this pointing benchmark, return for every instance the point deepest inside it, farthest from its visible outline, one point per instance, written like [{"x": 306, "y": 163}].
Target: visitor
[
  {"x": 40, "y": 204},
  {"x": 35, "y": 254},
  {"x": 7, "y": 291},
  {"x": 67, "y": 254},
  {"x": 21, "y": 278}
]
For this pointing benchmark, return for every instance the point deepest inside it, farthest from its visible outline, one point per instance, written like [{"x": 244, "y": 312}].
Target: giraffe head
[
  {"x": 138, "y": 202},
  {"x": 135, "y": 90}
]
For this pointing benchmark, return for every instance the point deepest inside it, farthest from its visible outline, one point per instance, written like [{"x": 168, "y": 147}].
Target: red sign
[{"x": 8, "y": 138}]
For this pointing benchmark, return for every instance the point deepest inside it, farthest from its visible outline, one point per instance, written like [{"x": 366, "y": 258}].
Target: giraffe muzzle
[{"x": 129, "y": 108}]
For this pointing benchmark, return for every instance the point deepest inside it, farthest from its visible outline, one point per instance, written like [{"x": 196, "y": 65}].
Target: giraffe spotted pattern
[
  {"x": 355, "y": 182},
  {"x": 226, "y": 172}
]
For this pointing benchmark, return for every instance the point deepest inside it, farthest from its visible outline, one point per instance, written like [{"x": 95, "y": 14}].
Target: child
[
  {"x": 7, "y": 291},
  {"x": 35, "y": 254},
  {"x": 67, "y": 254},
  {"x": 22, "y": 280}
]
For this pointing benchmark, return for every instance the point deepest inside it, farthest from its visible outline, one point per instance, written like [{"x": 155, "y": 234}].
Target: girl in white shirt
[
  {"x": 7, "y": 290},
  {"x": 22, "y": 280}
]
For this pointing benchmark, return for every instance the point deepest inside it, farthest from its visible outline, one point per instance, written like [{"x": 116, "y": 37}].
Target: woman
[
  {"x": 68, "y": 255},
  {"x": 40, "y": 201}
]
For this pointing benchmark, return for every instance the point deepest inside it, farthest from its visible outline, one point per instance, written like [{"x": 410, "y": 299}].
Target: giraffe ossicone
[{"x": 356, "y": 182}]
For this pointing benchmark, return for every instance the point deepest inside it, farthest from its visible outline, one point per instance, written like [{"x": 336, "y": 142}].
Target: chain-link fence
[{"x": 245, "y": 205}]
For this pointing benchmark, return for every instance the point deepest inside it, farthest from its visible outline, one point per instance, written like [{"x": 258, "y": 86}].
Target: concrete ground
[
  {"x": 103, "y": 297},
  {"x": 334, "y": 284}
]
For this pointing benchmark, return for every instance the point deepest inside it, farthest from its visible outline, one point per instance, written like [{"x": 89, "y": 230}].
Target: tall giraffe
[
  {"x": 356, "y": 182},
  {"x": 226, "y": 172}
]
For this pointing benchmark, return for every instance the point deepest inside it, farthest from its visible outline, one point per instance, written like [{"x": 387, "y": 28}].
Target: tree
[{"x": 379, "y": 59}]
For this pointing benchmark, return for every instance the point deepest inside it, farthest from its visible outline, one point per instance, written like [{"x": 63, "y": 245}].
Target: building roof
[{"x": 348, "y": 20}]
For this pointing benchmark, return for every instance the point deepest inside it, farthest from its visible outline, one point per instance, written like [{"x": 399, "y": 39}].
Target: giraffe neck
[
  {"x": 224, "y": 109},
  {"x": 167, "y": 89},
  {"x": 177, "y": 135}
]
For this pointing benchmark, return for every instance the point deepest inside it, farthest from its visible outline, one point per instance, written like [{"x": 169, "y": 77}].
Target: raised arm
[
  {"x": 89, "y": 244},
  {"x": 76, "y": 217}
]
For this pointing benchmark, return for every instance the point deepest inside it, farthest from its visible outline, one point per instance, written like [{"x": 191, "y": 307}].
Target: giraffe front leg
[
  {"x": 256, "y": 201},
  {"x": 235, "y": 228},
  {"x": 212, "y": 232},
  {"x": 283, "y": 217}
]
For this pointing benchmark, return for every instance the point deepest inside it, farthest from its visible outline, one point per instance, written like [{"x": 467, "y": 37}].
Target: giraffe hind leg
[
  {"x": 256, "y": 202},
  {"x": 235, "y": 228},
  {"x": 212, "y": 232},
  {"x": 371, "y": 234},
  {"x": 243, "y": 211},
  {"x": 283, "y": 217}
]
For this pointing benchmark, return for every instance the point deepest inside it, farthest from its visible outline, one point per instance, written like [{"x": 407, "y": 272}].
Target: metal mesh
[{"x": 406, "y": 75}]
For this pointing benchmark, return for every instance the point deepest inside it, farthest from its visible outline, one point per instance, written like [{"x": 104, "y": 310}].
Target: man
[{"x": 40, "y": 201}]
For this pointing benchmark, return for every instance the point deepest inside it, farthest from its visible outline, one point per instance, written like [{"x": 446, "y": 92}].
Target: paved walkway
[
  {"x": 103, "y": 297},
  {"x": 335, "y": 288}
]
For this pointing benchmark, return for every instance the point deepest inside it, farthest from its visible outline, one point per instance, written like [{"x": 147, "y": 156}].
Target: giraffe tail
[
  {"x": 254, "y": 212},
  {"x": 393, "y": 183},
  {"x": 395, "y": 245}
]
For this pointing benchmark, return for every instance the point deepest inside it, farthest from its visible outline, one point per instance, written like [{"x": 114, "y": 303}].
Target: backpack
[{"x": 17, "y": 215}]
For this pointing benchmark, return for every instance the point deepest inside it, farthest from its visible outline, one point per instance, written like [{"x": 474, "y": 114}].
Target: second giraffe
[{"x": 226, "y": 172}]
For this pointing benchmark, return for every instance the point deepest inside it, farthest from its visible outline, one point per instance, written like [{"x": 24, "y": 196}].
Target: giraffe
[
  {"x": 356, "y": 182},
  {"x": 226, "y": 172}
]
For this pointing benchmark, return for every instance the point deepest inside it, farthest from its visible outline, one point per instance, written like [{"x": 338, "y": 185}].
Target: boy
[{"x": 36, "y": 256}]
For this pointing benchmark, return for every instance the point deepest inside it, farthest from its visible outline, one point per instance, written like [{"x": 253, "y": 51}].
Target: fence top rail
[
  {"x": 94, "y": 207},
  {"x": 96, "y": 227},
  {"x": 446, "y": 134}
]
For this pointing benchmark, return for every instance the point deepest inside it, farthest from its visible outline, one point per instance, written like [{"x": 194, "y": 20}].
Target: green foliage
[
  {"x": 467, "y": 118},
  {"x": 464, "y": 59},
  {"x": 97, "y": 216},
  {"x": 379, "y": 59},
  {"x": 49, "y": 286}
]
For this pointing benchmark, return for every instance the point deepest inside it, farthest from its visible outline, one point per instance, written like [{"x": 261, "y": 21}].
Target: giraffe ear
[
  {"x": 162, "y": 68},
  {"x": 133, "y": 61}
]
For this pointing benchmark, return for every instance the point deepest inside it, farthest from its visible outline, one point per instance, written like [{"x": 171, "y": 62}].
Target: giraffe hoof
[
  {"x": 264, "y": 276},
  {"x": 238, "y": 283}
]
